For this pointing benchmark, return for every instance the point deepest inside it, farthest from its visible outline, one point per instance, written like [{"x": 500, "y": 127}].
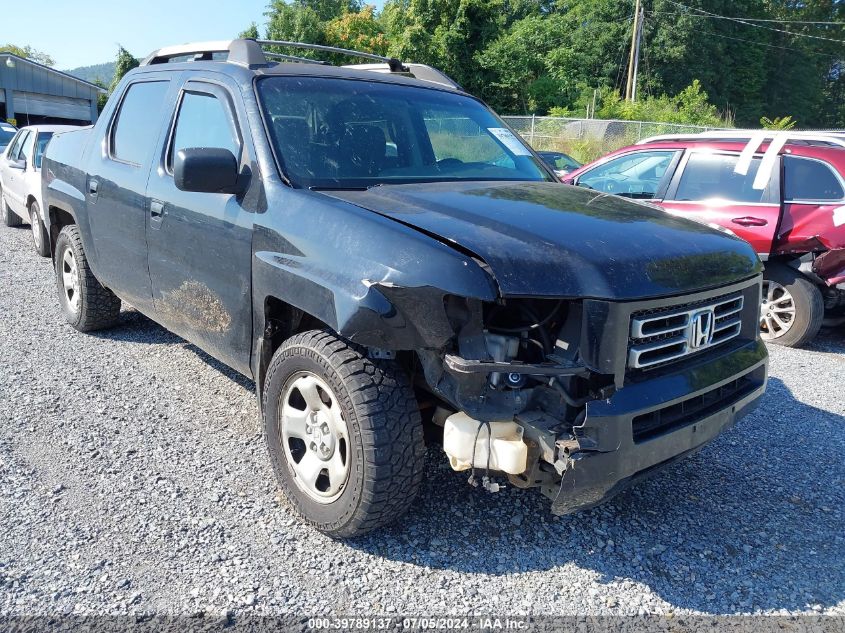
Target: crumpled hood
[{"x": 548, "y": 239}]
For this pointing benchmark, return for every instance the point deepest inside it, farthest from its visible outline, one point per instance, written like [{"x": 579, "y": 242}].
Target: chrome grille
[{"x": 663, "y": 336}]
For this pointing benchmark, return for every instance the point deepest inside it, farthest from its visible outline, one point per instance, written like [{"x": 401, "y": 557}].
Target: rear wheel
[
  {"x": 792, "y": 309},
  {"x": 344, "y": 434},
  {"x": 10, "y": 218},
  {"x": 39, "y": 233},
  {"x": 87, "y": 304}
]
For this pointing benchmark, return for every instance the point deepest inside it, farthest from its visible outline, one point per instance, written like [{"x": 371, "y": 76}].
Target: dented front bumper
[{"x": 649, "y": 424}]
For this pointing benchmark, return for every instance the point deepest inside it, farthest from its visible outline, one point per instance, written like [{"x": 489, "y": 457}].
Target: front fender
[{"x": 375, "y": 281}]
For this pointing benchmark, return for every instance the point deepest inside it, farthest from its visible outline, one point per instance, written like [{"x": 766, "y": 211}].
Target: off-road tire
[
  {"x": 99, "y": 307},
  {"x": 10, "y": 218},
  {"x": 808, "y": 301},
  {"x": 387, "y": 450},
  {"x": 40, "y": 239}
]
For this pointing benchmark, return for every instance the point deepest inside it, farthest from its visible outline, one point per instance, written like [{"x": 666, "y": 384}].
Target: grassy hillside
[{"x": 103, "y": 72}]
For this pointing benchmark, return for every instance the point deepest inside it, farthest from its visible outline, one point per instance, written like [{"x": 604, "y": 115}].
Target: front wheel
[
  {"x": 344, "y": 434},
  {"x": 39, "y": 233},
  {"x": 10, "y": 218},
  {"x": 792, "y": 309}
]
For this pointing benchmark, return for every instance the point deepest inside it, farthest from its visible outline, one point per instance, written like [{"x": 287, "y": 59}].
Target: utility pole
[{"x": 634, "y": 57}]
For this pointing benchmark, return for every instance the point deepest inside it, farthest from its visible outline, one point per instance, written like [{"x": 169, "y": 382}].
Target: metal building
[{"x": 33, "y": 93}]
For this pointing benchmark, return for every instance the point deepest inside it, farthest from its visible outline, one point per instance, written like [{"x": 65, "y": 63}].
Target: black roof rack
[
  {"x": 394, "y": 64},
  {"x": 252, "y": 54},
  {"x": 249, "y": 52},
  {"x": 295, "y": 58}
]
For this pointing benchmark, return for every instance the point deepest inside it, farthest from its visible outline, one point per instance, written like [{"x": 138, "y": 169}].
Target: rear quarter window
[{"x": 810, "y": 180}]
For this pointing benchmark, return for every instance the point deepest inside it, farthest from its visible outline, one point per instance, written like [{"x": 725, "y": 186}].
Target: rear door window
[
  {"x": 635, "y": 175},
  {"x": 712, "y": 177},
  {"x": 135, "y": 130},
  {"x": 810, "y": 180},
  {"x": 27, "y": 149}
]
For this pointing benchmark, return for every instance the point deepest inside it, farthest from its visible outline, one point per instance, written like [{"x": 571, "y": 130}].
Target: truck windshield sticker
[{"x": 509, "y": 140}]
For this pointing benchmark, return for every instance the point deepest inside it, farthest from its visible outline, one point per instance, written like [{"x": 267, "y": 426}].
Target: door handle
[
  {"x": 750, "y": 221},
  {"x": 157, "y": 214}
]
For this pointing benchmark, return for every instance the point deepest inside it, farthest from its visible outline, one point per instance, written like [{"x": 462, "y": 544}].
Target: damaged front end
[
  {"x": 830, "y": 266},
  {"x": 550, "y": 393}
]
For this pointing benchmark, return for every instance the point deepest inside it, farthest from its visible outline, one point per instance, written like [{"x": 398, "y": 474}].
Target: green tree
[
  {"x": 323, "y": 10},
  {"x": 516, "y": 62},
  {"x": 535, "y": 55},
  {"x": 778, "y": 123},
  {"x": 103, "y": 97},
  {"x": 27, "y": 52},
  {"x": 752, "y": 70},
  {"x": 250, "y": 32},
  {"x": 357, "y": 30},
  {"x": 804, "y": 74},
  {"x": 689, "y": 107},
  {"x": 680, "y": 44},
  {"x": 123, "y": 64},
  {"x": 294, "y": 22},
  {"x": 558, "y": 58},
  {"x": 448, "y": 34}
]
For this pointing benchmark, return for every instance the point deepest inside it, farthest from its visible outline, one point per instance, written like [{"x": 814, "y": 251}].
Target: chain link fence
[{"x": 588, "y": 139}]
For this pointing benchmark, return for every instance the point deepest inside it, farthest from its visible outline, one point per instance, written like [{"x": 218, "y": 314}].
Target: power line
[
  {"x": 550, "y": 44},
  {"x": 722, "y": 17},
  {"x": 821, "y": 22},
  {"x": 618, "y": 83},
  {"x": 739, "y": 39},
  {"x": 757, "y": 26},
  {"x": 784, "y": 48}
]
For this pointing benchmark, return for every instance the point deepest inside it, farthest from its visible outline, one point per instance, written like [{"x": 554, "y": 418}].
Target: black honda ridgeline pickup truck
[{"x": 381, "y": 254}]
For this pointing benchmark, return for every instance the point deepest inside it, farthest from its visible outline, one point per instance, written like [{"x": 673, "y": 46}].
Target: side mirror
[
  {"x": 207, "y": 170},
  {"x": 18, "y": 164}
]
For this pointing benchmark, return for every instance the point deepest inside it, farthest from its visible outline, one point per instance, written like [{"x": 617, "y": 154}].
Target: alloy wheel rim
[
  {"x": 70, "y": 281},
  {"x": 777, "y": 312},
  {"x": 35, "y": 225},
  {"x": 315, "y": 437}
]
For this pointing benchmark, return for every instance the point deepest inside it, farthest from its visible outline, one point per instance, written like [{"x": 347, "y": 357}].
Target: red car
[{"x": 782, "y": 192}]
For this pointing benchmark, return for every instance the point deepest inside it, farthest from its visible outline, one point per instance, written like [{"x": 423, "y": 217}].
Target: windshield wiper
[{"x": 318, "y": 188}]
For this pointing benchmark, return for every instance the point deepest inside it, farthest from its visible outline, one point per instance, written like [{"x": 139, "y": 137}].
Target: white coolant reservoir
[{"x": 508, "y": 453}]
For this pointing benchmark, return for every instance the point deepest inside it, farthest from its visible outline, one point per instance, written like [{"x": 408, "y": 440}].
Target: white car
[{"x": 20, "y": 180}]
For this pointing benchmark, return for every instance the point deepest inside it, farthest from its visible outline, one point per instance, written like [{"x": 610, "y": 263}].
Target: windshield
[
  {"x": 560, "y": 161},
  {"x": 348, "y": 134},
  {"x": 6, "y": 135}
]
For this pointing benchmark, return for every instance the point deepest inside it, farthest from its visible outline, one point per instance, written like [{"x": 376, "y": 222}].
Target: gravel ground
[{"x": 134, "y": 478}]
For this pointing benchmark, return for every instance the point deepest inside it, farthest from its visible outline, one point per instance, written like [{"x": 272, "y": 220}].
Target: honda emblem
[{"x": 701, "y": 329}]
